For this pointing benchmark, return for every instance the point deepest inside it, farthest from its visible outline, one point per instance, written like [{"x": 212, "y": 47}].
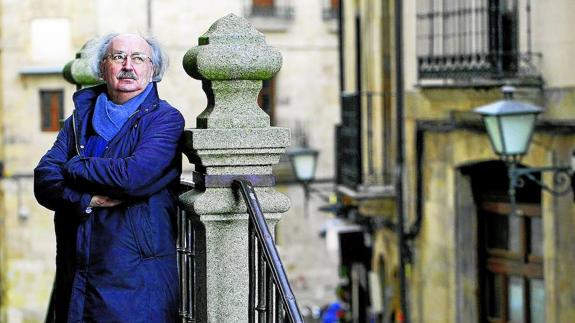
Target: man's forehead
[{"x": 130, "y": 43}]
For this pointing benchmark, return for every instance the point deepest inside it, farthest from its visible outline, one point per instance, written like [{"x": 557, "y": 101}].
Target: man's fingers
[
  {"x": 104, "y": 201},
  {"x": 112, "y": 202}
]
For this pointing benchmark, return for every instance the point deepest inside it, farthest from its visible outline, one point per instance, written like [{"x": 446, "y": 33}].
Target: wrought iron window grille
[
  {"x": 467, "y": 41},
  {"x": 330, "y": 9},
  {"x": 283, "y": 9}
]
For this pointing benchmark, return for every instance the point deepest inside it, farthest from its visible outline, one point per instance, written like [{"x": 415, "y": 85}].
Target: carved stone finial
[
  {"x": 232, "y": 59},
  {"x": 78, "y": 70},
  {"x": 233, "y": 140}
]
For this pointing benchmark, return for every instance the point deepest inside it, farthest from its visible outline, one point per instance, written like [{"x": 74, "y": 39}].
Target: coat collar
[{"x": 85, "y": 99}]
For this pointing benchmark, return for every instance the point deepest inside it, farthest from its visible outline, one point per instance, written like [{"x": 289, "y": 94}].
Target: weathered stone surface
[
  {"x": 233, "y": 137},
  {"x": 248, "y": 146},
  {"x": 232, "y": 49},
  {"x": 248, "y": 138},
  {"x": 78, "y": 71},
  {"x": 232, "y": 98},
  {"x": 226, "y": 201},
  {"x": 232, "y": 59}
]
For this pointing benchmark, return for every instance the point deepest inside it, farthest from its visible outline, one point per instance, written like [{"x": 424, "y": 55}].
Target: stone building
[
  {"x": 37, "y": 38},
  {"x": 465, "y": 256}
]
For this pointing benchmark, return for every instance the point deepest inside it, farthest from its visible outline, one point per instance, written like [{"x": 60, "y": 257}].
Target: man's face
[{"x": 127, "y": 69}]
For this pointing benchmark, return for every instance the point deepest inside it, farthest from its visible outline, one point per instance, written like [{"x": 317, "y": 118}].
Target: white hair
[{"x": 97, "y": 49}]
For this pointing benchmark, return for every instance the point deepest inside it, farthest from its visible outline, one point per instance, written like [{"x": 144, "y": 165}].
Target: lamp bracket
[{"x": 561, "y": 178}]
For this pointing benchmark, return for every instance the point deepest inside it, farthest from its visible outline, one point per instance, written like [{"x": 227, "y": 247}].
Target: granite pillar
[{"x": 233, "y": 139}]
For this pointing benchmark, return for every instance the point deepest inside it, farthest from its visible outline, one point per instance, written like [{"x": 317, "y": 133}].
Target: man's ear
[{"x": 101, "y": 70}]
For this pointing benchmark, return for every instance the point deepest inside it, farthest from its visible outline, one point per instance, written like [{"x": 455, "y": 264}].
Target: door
[{"x": 510, "y": 248}]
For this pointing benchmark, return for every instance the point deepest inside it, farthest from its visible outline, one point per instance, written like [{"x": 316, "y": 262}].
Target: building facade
[
  {"x": 37, "y": 38},
  {"x": 407, "y": 114}
]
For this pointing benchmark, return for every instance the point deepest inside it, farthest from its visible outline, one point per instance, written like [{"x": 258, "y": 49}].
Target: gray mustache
[{"x": 127, "y": 75}]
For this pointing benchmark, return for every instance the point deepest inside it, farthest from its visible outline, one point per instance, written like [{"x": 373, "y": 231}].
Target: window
[
  {"x": 462, "y": 39},
  {"x": 266, "y": 99},
  {"x": 513, "y": 283},
  {"x": 270, "y": 8},
  {"x": 330, "y": 9},
  {"x": 51, "y": 109},
  {"x": 263, "y": 4}
]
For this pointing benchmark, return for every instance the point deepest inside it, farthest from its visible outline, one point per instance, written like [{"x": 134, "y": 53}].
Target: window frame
[
  {"x": 267, "y": 99},
  {"x": 505, "y": 263},
  {"x": 282, "y": 9},
  {"x": 462, "y": 40},
  {"x": 51, "y": 109}
]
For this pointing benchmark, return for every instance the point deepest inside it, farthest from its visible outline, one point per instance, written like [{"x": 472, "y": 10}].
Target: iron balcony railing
[
  {"x": 271, "y": 299},
  {"x": 475, "y": 39},
  {"x": 364, "y": 140},
  {"x": 283, "y": 9}
]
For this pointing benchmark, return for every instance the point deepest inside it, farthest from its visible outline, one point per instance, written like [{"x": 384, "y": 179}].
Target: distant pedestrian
[{"x": 334, "y": 313}]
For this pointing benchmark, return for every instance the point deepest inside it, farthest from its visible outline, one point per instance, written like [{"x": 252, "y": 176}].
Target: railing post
[
  {"x": 233, "y": 139},
  {"x": 78, "y": 72}
]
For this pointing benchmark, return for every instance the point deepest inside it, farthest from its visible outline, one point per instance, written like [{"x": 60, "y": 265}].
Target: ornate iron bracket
[{"x": 561, "y": 179}]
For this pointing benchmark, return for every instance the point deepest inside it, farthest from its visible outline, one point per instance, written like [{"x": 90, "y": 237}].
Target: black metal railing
[
  {"x": 283, "y": 9},
  {"x": 463, "y": 39},
  {"x": 187, "y": 263},
  {"x": 365, "y": 116},
  {"x": 270, "y": 296}
]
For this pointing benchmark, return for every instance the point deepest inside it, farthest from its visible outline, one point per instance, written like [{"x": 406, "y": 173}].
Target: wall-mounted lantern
[
  {"x": 510, "y": 125},
  {"x": 304, "y": 162}
]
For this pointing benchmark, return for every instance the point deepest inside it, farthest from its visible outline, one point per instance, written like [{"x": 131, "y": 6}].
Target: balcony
[
  {"x": 269, "y": 15},
  {"x": 475, "y": 44},
  {"x": 330, "y": 9}
]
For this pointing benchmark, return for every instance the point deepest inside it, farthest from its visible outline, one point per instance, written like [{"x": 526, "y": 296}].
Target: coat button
[{"x": 82, "y": 146}]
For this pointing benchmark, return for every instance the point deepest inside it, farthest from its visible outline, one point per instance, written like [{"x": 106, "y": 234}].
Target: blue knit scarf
[{"x": 109, "y": 117}]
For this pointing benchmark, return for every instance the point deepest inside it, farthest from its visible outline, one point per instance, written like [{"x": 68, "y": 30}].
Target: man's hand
[{"x": 103, "y": 201}]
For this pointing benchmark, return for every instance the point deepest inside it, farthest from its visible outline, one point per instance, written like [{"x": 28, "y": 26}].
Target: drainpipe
[
  {"x": 340, "y": 31},
  {"x": 399, "y": 166},
  {"x": 149, "y": 16}
]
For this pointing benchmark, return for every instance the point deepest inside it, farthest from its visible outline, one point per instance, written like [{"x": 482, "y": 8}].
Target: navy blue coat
[{"x": 115, "y": 264}]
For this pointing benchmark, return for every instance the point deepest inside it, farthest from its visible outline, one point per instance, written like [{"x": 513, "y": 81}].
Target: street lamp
[
  {"x": 303, "y": 161},
  {"x": 510, "y": 125}
]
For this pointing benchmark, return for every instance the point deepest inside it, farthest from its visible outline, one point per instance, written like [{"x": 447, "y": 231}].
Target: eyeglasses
[{"x": 136, "y": 59}]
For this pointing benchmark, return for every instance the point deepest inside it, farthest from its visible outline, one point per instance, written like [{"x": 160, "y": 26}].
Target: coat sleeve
[
  {"x": 151, "y": 167},
  {"x": 50, "y": 186}
]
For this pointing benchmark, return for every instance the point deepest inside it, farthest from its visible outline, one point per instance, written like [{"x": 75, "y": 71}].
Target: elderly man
[{"x": 111, "y": 177}]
